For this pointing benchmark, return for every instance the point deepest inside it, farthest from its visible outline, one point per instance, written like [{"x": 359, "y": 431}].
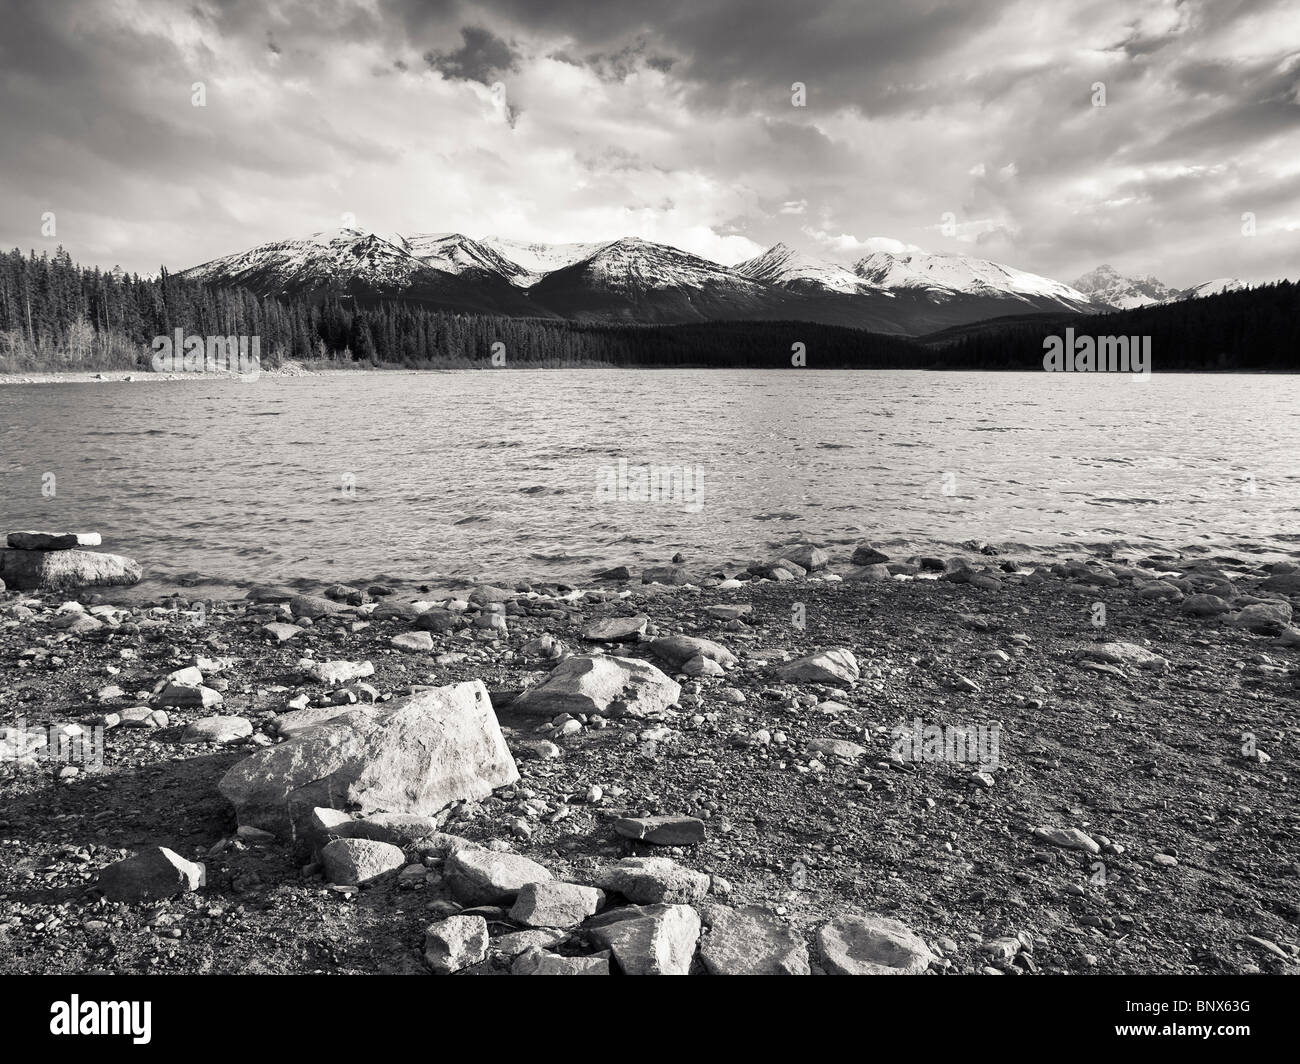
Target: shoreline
[
  {"x": 143, "y": 376},
  {"x": 806, "y": 812}
]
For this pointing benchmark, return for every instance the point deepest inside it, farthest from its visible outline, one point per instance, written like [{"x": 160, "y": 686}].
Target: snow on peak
[
  {"x": 781, "y": 264},
  {"x": 1213, "y": 288},
  {"x": 959, "y": 274},
  {"x": 1107, "y": 285}
]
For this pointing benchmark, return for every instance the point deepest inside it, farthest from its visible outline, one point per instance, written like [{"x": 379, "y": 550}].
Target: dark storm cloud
[{"x": 482, "y": 57}]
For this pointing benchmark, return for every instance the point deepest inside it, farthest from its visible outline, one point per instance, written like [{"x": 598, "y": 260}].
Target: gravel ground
[{"x": 1178, "y": 768}]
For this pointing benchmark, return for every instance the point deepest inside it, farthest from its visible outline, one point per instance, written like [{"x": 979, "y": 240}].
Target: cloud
[
  {"x": 953, "y": 126},
  {"x": 482, "y": 57}
]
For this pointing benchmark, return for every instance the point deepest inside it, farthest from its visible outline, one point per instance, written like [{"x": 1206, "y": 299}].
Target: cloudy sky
[{"x": 966, "y": 126}]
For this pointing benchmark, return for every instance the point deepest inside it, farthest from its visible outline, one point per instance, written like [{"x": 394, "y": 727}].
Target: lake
[{"x": 434, "y": 477}]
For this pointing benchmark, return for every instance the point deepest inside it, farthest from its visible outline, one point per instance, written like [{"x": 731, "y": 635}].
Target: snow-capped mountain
[
  {"x": 1107, "y": 285},
  {"x": 459, "y": 254},
  {"x": 446, "y": 272},
  {"x": 943, "y": 277},
  {"x": 636, "y": 280},
  {"x": 1211, "y": 288},
  {"x": 334, "y": 257},
  {"x": 782, "y": 265}
]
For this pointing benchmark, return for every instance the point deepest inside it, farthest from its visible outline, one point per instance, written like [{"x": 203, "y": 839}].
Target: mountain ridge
[{"x": 631, "y": 279}]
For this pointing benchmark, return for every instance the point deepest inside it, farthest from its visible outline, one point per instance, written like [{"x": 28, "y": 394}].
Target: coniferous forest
[{"x": 57, "y": 315}]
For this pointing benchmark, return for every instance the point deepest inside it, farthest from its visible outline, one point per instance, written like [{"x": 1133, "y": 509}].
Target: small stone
[
  {"x": 281, "y": 631},
  {"x": 413, "y": 642},
  {"x": 826, "y": 666},
  {"x": 217, "y": 730},
  {"x": 1069, "y": 838},
  {"x": 662, "y": 830},
  {"x": 616, "y": 629}
]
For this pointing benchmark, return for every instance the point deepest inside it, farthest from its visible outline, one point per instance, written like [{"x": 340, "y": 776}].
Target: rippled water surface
[{"x": 439, "y": 475}]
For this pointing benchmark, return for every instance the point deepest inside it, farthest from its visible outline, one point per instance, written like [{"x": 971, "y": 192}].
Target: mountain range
[{"x": 638, "y": 281}]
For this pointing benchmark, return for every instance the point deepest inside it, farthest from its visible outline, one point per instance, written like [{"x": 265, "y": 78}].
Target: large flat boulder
[
  {"x": 415, "y": 755},
  {"x": 607, "y": 685},
  {"x": 751, "y": 941},
  {"x": 61, "y": 570},
  {"x": 872, "y": 945}
]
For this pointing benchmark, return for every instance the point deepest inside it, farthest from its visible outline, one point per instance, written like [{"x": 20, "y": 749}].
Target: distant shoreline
[{"x": 119, "y": 376}]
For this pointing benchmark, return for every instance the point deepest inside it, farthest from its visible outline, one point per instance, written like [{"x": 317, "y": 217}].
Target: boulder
[
  {"x": 866, "y": 554},
  {"x": 155, "y": 874},
  {"x": 415, "y": 755},
  {"x": 479, "y": 876},
  {"x": 665, "y": 574},
  {"x": 607, "y": 685},
  {"x": 701, "y": 666},
  {"x": 872, "y": 945},
  {"x": 808, "y": 557},
  {"x": 1264, "y": 618},
  {"x": 551, "y": 904},
  {"x": 60, "y": 570},
  {"x": 662, "y": 830},
  {"x": 1204, "y": 606},
  {"x": 649, "y": 880},
  {"x": 649, "y": 940},
  {"x": 751, "y": 941},
  {"x": 679, "y": 649},
  {"x": 350, "y": 862},
  {"x": 1286, "y": 581},
  {"x": 455, "y": 943},
  {"x": 825, "y": 666},
  {"x": 313, "y": 606},
  {"x": 868, "y": 573}
]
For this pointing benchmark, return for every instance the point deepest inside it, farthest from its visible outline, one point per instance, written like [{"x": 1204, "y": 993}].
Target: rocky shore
[{"x": 822, "y": 764}]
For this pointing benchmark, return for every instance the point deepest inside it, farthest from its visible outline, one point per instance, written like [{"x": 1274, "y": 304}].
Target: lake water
[{"x": 437, "y": 476}]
